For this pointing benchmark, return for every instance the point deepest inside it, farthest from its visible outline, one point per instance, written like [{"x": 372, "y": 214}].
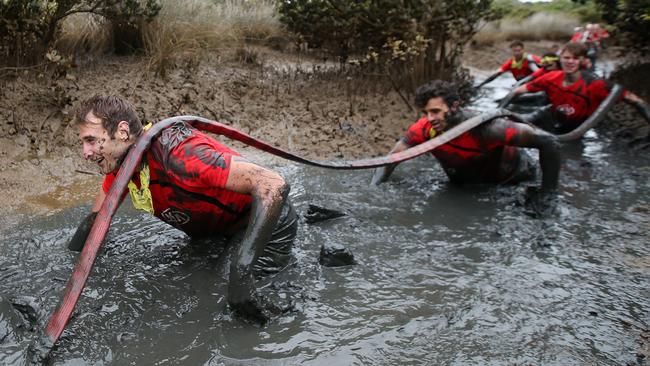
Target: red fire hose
[{"x": 61, "y": 315}]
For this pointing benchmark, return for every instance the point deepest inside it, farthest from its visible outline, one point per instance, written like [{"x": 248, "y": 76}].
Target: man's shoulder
[
  {"x": 590, "y": 78},
  {"x": 174, "y": 135},
  {"x": 554, "y": 74},
  {"x": 551, "y": 77},
  {"x": 467, "y": 113},
  {"x": 533, "y": 58},
  {"x": 422, "y": 121}
]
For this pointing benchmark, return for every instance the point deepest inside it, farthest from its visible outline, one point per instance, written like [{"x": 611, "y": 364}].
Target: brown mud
[{"x": 290, "y": 101}]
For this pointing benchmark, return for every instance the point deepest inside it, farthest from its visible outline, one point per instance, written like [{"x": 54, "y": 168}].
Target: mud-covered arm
[
  {"x": 522, "y": 135},
  {"x": 83, "y": 230},
  {"x": 524, "y": 80},
  {"x": 490, "y": 78},
  {"x": 381, "y": 174},
  {"x": 516, "y": 91},
  {"x": 269, "y": 191},
  {"x": 638, "y": 103}
]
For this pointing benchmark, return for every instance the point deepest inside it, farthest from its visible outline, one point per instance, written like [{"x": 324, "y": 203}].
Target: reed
[{"x": 539, "y": 26}]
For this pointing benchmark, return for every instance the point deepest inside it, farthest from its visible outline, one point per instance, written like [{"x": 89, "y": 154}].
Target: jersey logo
[
  {"x": 174, "y": 217},
  {"x": 566, "y": 109}
]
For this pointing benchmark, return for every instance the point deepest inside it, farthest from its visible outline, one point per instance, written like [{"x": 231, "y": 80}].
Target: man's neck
[
  {"x": 570, "y": 78},
  {"x": 454, "y": 119},
  {"x": 123, "y": 157}
]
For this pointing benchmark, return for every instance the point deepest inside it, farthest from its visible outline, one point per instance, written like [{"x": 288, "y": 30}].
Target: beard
[
  {"x": 453, "y": 118},
  {"x": 113, "y": 166}
]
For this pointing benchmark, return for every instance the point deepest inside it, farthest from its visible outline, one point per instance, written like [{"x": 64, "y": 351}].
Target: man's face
[
  {"x": 570, "y": 62},
  {"x": 107, "y": 151},
  {"x": 436, "y": 111},
  {"x": 517, "y": 52},
  {"x": 549, "y": 65}
]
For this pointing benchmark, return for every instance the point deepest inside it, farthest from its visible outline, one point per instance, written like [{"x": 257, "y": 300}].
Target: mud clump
[
  {"x": 336, "y": 255},
  {"x": 318, "y": 214}
]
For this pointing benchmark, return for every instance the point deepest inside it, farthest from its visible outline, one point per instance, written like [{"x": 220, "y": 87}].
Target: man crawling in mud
[
  {"x": 574, "y": 92},
  {"x": 489, "y": 153},
  {"x": 196, "y": 184}
]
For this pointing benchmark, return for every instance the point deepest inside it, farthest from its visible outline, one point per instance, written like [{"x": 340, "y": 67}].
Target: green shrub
[
  {"x": 412, "y": 40},
  {"x": 29, "y": 27},
  {"x": 632, "y": 19}
]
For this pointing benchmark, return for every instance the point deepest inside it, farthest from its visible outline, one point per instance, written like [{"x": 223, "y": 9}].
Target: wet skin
[
  {"x": 571, "y": 66},
  {"x": 517, "y": 52},
  {"x": 101, "y": 148},
  {"x": 269, "y": 191}
]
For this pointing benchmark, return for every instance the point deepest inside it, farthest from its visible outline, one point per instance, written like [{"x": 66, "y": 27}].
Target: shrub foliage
[
  {"x": 415, "y": 40},
  {"x": 631, "y": 18},
  {"x": 29, "y": 27}
]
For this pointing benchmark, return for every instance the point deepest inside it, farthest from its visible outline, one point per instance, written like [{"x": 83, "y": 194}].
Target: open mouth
[{"x": 98, "y": 161}]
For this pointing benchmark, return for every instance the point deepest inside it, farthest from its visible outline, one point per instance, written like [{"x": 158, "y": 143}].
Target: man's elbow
[
  {"x": 278, "y": 189},
  {"x": 285, "y": 188}
]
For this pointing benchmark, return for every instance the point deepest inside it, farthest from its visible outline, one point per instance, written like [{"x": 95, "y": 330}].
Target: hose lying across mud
[{"x": 75, "y": 285}]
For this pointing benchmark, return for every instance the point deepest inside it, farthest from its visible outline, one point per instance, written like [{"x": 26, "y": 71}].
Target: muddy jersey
[
  {"x": 521, "y": 69},
  {"x": 574, "y": 103},
  {"x": 188, "y": 174},
  {"x": 470, "y": 158}
]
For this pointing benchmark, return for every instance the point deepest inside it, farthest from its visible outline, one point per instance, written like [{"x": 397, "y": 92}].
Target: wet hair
[
  {"x": 434, "y": 89},
  {"x": 517, "y": 44},
  {"x": 577, "y": 49},
  {"x": 111, "y": 110}
]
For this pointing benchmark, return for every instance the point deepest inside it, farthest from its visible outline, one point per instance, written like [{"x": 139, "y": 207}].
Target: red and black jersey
[
  {"x": 539, "y": 72},
  {"x": 574, "y": 103},
  {"x": 470, "y": 158},
  {"x": 521, "y": 69},
  {"x": 188, "y": 175}
]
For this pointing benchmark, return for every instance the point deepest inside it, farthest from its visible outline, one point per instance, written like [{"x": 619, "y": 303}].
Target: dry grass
[
  {"x": 539, "y": 26},
  {"x": 84, "y": 34},
  {"x": 184, "y": 30}
]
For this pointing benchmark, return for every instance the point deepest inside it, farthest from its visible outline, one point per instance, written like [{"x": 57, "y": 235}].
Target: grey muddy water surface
[{"x": 446, "y": 275}]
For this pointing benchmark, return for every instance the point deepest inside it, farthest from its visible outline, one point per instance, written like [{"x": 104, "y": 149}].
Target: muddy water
[{"x": 446, "y": 275}]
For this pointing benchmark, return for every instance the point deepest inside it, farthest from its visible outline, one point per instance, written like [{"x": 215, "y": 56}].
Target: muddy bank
[
  {"x": 288, "y": 100},
  {"x": 297, "y": 107}
]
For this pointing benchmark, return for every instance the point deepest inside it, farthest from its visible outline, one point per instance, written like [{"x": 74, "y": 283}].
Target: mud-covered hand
[
  {"x": 246, "y": 303},
  {"x": 79, "y": 239},
  {"x": 540, "y": 202}
]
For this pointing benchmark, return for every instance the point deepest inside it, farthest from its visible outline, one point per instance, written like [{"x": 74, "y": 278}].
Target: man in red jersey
[
  {"x": 520, "y": 65},
  {"x": 574, "y": 93},
  {"x": 196, "y": 184},
  {"x": 489, "y": 153},
  {"x": 549, "y": 62}
]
